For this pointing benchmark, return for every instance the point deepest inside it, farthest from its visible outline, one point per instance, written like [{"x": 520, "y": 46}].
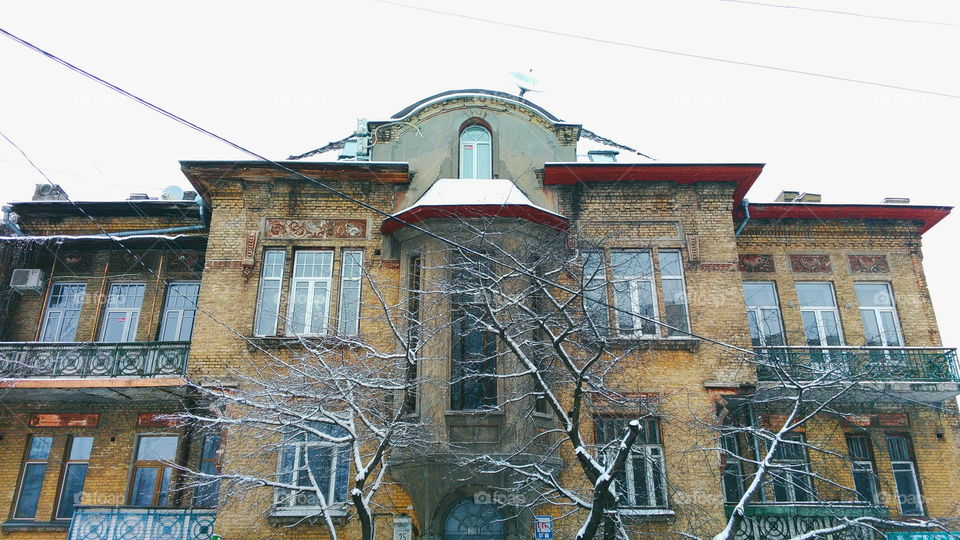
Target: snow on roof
[{"x": 473, "y": 192}]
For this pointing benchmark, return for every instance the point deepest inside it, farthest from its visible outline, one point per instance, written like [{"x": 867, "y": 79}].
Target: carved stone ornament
[
  {"x": 77, "y": 261},
  {"x": 869, "y": 264},
  {"x": 315, "y": 228},
  {"x": 811, "y": 264},
  {"x": 755, "y": 262},
  {"x": 186, "y": 261},
  {"x": 249, "y": 253}
]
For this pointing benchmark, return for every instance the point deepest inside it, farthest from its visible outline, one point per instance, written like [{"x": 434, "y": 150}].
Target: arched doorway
[{"x": 468, "y": 520}]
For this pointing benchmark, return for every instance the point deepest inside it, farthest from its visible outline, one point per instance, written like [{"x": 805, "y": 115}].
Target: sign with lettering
[
  {"x": 923, "y": 536},
  {"x": 543, "y": 527},
  {"x": 64, "y": 420},
  {"x": 402, "y": 528}
]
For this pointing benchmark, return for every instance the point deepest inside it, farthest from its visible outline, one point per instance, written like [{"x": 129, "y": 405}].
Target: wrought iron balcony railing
[
  {"x": 123, "y": 523},
  {"x": 779, "y": 521},
  {"x": 93, "y": 359},
  {"x": 858, "y": 363}
]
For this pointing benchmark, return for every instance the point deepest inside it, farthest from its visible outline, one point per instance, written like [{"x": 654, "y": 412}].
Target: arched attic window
[{"x": 476, "y": 155}]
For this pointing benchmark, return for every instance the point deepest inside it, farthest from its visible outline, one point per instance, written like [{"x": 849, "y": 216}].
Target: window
[
  {"x": 351, "y": 272},
  {"x": 63, "y": 312},
  {"x": 732, "y": 469},
  {"x": 271, "y": 281},
  {"x": 818, "y": 308},
  {"x": 634, "y": 285},
  {"x": 905, "y": 475},
  {"x": 179, "y": 311},
  {"x": 150, "y": 484},
  {"x": 207, "y": 492},
  {"x": 473, "y": 369},
  {"x": 475, "y": 153},
  {"x": 791, "y": 470},
  {"x": 864, "y": 473},
  {"x": 642, "y": 482},
  {"x": 414, "y": 306},
  {"x": 74, "y": 475},
  {"x": 31, "y": 479},
  {"x": 122, "y": 312},
  {"x": 318, "y": 459},
  {"x": 763, "y": 313},
  {"x": 880, "y": 326},
  {"x": 310, "y": 292}
]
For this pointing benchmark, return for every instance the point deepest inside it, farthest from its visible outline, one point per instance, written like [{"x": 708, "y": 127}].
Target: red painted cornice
[
  {"x": 927, "y": 215},
  {"x": 467, "y": 211}
]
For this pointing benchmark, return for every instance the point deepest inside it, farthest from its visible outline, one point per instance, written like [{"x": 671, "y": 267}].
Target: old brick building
[{"x": 715, "y": 312}]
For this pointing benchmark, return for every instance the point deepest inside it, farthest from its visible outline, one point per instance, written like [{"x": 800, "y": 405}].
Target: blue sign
[
  {"x": 543, "y": 527},
  {"x": 924, "y": 536}
]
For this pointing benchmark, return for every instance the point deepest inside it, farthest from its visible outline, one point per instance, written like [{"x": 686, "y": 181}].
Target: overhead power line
[
  {"x": 354, "y": 200},
  {"x": 838, "y": 12},
  {"x": 672, "y": 52}
]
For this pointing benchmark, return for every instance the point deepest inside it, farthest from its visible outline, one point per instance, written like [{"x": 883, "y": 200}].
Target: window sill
[
  {"x": 651, "y": 513},
  {"x": 34, "y": 526},
  {"x": 307, "y": 512},
  {"x": 657, "y": 343},
  {"x": 284, "y": 342},
  {"x": 474, "y": 412}
]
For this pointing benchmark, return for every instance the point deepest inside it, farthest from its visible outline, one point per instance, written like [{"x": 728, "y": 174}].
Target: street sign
[
  {"x": 543, "y": 527},
  {"x": 402, "y": 528},
  {"x": 924, "y": 536}
]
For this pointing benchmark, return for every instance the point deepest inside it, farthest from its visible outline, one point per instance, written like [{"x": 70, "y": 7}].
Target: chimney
[
  {"x": 896, "y": 200},
  {"x": 787, "y": 196},
  {"x": 796, "y": 196},
  {"x": 49, "y": 192}
]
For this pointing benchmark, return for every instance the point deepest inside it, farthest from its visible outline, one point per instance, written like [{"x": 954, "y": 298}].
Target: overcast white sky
[{"x": 286, "y": 77}]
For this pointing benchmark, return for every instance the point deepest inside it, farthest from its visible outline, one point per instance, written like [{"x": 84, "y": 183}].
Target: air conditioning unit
[{"x": 27, "y": 279}]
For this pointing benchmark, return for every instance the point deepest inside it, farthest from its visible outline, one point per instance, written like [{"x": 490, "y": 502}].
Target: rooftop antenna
[{"x": 525, "y": 82}]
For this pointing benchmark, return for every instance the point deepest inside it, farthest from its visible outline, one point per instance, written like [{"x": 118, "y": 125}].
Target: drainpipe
[
  {"x": 746, "y": 217},
  {"x": 6, "y": 221}
]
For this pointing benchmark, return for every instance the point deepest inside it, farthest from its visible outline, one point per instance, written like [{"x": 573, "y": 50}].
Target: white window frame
[
  {"x": 286, "y": 504},
  {"x": 179, "y": 311},
  {"x": 795, "y": 472},
  {"x": 350, "y": 327},
  {"x": 651, "y": 453},
  {"x": 906, "y": 465},
  {"x": 48, "y": 311},
  {"x": 861, "y": 465},
  {"x": 129, "y": 333},
  {"x": 683, "y": 291},
  {"x": 488, "y": 143},
  {"x": 634, "y": 293},
  {"x": 23, "y": 476},
  {"x": 311, "y": 285},
  {"x": 276, "y": 281},
  {"x": 757, "y": 310},
  {"x": 818, "y": 312},
  {"x": 66, "y": 474},
  {"x": 875, "y": 311}
]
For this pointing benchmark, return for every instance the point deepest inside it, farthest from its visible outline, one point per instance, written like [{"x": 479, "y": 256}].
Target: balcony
[
  {"x": 122, "y": 523},
  {"x": 94, "y": 369},
  {"x": 926, "y": 373},
  {"x": 779, "y": 521}
]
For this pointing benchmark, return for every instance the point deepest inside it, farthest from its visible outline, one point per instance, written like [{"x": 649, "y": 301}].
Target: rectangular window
[
  {"x": 864, "y": 472},
  {"x": 905, "y": 475},
  {"x": 152, "y": 473},
  {"x": 595, "y": 292},
  {"x": 310, "y": 293},
  {"x": 31, "y": 479},
  {"x": 268, "y": 303},
  {"x": 122, "y": 313},
  {"x": 763, "y": 313},
  {"x": 732, "y": 469},
  {"x": 791, "y": 470},
  {"x": 414, "y": 306},
  {"x": 642, "y": 482},
  {"x": 74, "y": 475},
  {"x": 674, "y": 293},
  {"x": 634, "y": 293},
  {"x": 881, "y": 326},
  {"x": 63, "y": 312},
  {"x": 317, "y": 459},
  {"x": 473, "y": 369},
  {"x": 818, "y": 308},
  {"x": 179, "y": 311},
  {"x": 207, "y": 492},
  {"x": 351, "y": 272}
]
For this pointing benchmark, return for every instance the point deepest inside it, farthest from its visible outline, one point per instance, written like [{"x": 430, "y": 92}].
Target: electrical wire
[
  {"x": 354, "y": 200},
  {"x": 671, "y": 52},
  {"x": 838, "y": 12}
]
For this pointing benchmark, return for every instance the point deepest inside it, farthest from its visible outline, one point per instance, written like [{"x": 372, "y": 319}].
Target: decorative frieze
[
  {"x": 280, "y": 228},
  {"x": 76, "y": 261},
  {"x": 869, "y": 264},
  {"x": 811, "y": 264},
  {"x": 63, "y": 420},
  {"x": 757, "y": 262}
]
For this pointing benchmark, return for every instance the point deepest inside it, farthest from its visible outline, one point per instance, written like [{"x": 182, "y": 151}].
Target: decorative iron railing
[
  {"x": 861, "y": 363},
  {"x": 93, "y": 359},
  {"x": 779, "y": 521},
  {"x": 128, "y": 523}
]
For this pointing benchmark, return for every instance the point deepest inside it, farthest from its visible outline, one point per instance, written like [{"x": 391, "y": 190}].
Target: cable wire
[{"x": 838, "y": 12}]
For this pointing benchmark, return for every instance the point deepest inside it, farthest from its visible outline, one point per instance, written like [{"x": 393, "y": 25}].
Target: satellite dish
[
  {"x": 525, "y": 82},
  {"x": 172, "y": 193}
]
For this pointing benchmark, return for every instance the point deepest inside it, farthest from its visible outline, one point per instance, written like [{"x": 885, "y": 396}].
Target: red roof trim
[
  {"x": 743, "y": 174},
  {"x": 928, "y": 215},
  {"x": 466, "y": 211}
]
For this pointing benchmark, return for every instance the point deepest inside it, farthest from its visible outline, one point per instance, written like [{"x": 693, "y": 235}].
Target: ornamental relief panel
[
  {"x": 757, "y": 262},
  {"x": 869, "y": 264},
  {"x": 315, "y": 228},
  {"x": 810, "y": 264}
]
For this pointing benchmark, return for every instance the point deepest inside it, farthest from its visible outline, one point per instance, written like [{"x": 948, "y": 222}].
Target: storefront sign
[
  {"x": 543, "y": 527},
  {"x": 924, "y": 536}
]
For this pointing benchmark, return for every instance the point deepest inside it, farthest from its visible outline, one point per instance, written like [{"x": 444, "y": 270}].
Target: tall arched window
[{"x": 475, "y": 153}]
